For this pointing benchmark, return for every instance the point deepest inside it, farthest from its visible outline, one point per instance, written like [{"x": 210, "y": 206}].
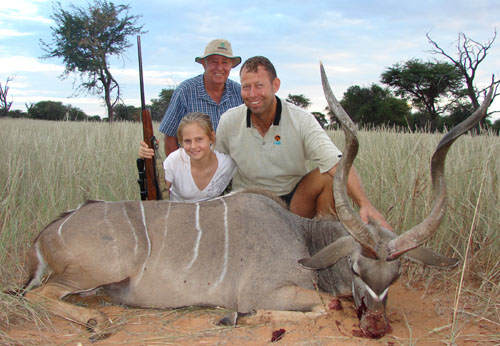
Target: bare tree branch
[
  {"x": 470, "y": 54},
  {"x": 4, "y": 103}
]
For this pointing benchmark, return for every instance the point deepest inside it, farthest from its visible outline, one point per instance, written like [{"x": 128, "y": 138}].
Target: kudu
[{"x": 239, "y": 251}]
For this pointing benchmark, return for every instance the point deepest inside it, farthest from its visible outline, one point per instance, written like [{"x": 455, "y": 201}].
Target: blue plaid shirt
[{"x": 191, "y": 96}]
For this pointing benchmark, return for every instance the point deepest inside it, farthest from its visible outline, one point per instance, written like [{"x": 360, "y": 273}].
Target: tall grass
[{"x": 50, "y": 167}]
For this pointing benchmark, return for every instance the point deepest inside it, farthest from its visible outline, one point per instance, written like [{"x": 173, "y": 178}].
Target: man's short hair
[{"x": 252, "y": 65}]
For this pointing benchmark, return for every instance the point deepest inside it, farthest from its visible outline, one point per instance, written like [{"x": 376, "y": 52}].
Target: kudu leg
[
  {"x": 50, "y": 294},
  {"x": 288, "y": 304}
]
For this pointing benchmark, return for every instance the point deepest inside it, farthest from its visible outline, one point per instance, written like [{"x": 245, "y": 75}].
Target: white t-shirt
[{"x": 177, "y": 167}]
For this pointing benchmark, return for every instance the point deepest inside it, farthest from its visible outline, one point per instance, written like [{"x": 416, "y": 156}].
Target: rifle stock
[{"x": 148, "y": 174}]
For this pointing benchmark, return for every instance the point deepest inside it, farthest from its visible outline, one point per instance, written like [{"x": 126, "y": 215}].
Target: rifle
[{"x": 148, "y": 174}]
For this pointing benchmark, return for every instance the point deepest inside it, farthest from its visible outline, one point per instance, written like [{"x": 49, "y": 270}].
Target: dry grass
[{"x": 49, "y": 167}]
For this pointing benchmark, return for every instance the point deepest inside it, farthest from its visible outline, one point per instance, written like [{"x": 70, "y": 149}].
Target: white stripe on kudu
[
  {"x": 148, "y": 240},
  {"x": 198, "y": 238},
  {"x": 132, "y": 229},
  {"x": 163, "y": 242},
  {"x": 70, "y": 214},
  {"x": 226, "y": 246},
  {"x": 59, "y": 231}
]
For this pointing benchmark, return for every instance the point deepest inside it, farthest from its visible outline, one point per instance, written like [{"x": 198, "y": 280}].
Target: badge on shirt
[{"x": 277, "y": 140}]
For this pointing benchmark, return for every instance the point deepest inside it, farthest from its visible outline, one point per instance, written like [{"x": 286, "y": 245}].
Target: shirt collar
[
  {"x": 203, "y": 91},
  {"x": 277, "y": 116}
]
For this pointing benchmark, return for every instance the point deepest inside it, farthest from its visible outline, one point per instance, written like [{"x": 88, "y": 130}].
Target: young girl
[{"x": 195, "y": 172}]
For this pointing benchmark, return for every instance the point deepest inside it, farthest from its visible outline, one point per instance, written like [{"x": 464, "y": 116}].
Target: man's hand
[
  {"x": 369, "y": 210},
  {"x": 145, "y": 152}
]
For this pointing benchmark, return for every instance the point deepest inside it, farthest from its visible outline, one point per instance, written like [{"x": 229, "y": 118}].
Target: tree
[
  {"x": 54, "y": 110},
  {"x": 75, "y": 114},
  {"x": 299, "y": 100},
  {"x": 375, "y": 106},
  {"x": 470, "y": 54},
  {"x": 321, "y": 118},
  {"x": 94, "y": 118},
  {"x": 86, "y": 38},
  {"x": 159, "y": 106},
  {"x": 48, "y": 110},
  {"x": 128, "y": 113},
  {"x": 424, "y": 84},
  {"x": 496, "y": 126},
  {"x": 4, "y": 103},
  {"x": 16, "y": 113}
]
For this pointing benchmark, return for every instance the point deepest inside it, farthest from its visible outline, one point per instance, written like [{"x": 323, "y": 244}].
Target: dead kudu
[{"x": 240, "y": 251}]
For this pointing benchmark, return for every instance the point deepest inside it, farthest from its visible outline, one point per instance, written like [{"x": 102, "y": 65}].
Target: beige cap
[{"x": 219, "y": 47}]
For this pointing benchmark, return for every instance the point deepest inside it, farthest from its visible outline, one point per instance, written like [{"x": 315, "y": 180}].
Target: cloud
[
  {"x": 23, "y": 10},
  {"x": 5, "y": 33},
  {"x": 16, "y": 64},
  {"x": 151, "y": 77}
]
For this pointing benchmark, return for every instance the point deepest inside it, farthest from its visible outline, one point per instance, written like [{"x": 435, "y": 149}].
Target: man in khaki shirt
[{"x": 270, "y": 141}]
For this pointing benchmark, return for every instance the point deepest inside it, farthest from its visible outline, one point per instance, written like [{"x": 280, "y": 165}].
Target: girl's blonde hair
[{"x": 202, "y": 119}]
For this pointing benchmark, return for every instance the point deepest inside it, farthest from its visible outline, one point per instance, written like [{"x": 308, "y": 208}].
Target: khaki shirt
[{"x": 277, "y": 161}]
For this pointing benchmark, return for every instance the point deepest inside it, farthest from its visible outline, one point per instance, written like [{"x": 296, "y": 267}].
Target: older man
[{"x": 211, "y": 92}]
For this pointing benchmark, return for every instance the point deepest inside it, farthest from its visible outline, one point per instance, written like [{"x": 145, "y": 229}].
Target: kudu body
[{"x": 239, "y": 251}]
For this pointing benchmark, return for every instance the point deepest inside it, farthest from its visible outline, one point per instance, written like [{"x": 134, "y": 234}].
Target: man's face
[
  {"x": 257, "y": 90},
  {"x": 217, "y": 68}
]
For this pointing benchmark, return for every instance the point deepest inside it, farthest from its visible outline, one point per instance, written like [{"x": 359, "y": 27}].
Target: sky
[{"x": 356, "y": 41}]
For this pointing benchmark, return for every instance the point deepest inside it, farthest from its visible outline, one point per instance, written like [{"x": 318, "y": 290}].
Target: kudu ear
[
  {"x": 330, "y": 254},
  {"x": 427, "y": 256}
]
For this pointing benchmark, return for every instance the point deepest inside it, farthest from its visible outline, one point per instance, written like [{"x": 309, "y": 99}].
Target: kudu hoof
[
  {"x": 229, "y": 320},
  {"x": 99, "y": 327},
  {"x": 232, "y": 318}
]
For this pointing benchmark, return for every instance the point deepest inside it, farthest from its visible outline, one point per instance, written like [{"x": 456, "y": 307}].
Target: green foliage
[
  {"x": 85, "y": 38},
  {"x": 53, "y": 110},
  {"x": 299, "y": 100},
  {"x": 18, "y": 114},
  {"x": 159, "y": 106},
  {"x": 48, "y": 110},
  {"x": 375, "y": 106},
  {"x": 321, "y": 118},
  {"x": 76, "y": 114},
  {"x": 458, "y": 113},
  {"x": 424, "y": 84},
  {"x": 129, "y": 113}
]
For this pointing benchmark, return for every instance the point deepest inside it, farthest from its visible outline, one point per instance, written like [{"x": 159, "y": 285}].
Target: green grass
[{"x": 50, "y": 167}]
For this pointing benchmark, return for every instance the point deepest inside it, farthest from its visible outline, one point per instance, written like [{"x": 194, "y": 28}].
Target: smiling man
[
  {"x": 270, "y": 140},
  {"x": 211, "y": 93}
]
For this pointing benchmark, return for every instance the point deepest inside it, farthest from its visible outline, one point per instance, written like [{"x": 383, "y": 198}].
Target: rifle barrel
[
  {"x": 148, "y": 173},
  {"x": 141, "y": 78}
]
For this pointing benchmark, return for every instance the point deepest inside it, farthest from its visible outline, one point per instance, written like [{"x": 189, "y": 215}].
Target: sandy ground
[{"x": 417, "y": 316}]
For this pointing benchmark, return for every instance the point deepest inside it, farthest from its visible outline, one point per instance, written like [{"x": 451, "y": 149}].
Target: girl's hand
[{"x": 145, "y": 152}]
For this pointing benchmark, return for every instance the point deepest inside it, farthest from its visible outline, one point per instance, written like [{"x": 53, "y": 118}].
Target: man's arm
[
  {"x": 171, "y": 119},
  {"x": 171, "y": 144},
  {"x": 356, "y": 191}
]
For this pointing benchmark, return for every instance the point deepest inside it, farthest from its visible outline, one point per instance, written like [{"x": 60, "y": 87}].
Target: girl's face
[{"x": 196, "y": 142}]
